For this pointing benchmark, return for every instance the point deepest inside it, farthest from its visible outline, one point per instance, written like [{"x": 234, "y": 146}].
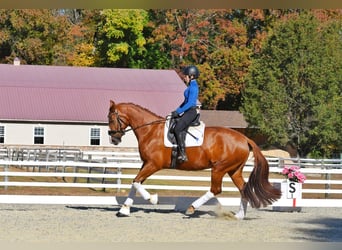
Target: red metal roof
[{"x": 82, "y": 94}]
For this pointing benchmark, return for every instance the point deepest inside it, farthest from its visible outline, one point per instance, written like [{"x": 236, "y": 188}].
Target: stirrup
[{"x": 182, "y": 158}]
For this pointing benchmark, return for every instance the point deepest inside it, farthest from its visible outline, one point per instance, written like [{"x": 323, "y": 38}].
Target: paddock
[
  {"x": 161, "y": 223},
  {"x": 91, "y": 219}
]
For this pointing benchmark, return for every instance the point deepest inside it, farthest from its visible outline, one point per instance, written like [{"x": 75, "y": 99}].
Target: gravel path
[{"x": 161, "y": 223}]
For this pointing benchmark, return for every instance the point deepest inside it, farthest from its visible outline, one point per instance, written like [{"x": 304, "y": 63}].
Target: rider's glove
[{"x": 174, "y": 114}]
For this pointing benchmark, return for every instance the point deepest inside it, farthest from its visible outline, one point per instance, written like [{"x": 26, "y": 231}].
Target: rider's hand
[{"x": 174, "y": 114}]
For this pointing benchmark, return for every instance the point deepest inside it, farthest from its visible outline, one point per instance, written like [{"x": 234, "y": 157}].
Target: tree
[
  {"x": 210, "y": 39},
  {"x": 35, "y": 36},
  {"x": 293, "y": 89},
  {"x": 120, "y": 40},
  {"x": 81, "y": 34}
]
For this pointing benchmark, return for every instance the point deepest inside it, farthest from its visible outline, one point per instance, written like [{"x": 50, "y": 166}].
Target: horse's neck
[
  {"x": 140, "y": 117},
  {"x": 141, "y": 121}
]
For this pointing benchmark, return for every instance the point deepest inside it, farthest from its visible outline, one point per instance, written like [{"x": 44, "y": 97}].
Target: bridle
[{"x": 120, "y": 122}]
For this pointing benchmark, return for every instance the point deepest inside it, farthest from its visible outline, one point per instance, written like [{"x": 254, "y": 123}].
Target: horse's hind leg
[
  {"x": 239, "y": 182},
  {"x": 199, "y": 202},
  {"x": 215, "y": 189},
  {"x": 243, "y": 209}
]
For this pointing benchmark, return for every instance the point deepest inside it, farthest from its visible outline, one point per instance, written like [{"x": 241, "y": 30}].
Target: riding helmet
[{"x": 191, "y": 71}]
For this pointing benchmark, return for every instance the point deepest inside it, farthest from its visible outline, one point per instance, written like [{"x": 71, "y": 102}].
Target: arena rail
[{"x": 318, "y": 172}]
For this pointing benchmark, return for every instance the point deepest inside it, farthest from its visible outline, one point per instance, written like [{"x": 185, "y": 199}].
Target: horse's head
[{"x": 117, "y": 124}]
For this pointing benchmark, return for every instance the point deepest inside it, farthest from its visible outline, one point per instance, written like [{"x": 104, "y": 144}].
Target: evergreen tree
[{"x": 293, "y": 89}]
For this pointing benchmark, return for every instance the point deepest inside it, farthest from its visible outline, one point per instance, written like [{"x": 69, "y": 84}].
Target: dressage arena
[{"x": 23, "y": 223}]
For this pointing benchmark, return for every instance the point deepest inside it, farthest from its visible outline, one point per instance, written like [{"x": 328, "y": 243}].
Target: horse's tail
[{"x": 258, "y": 190}]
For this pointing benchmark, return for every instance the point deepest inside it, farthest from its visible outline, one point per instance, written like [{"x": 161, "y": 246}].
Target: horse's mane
[{"x": 140, "y": 107}]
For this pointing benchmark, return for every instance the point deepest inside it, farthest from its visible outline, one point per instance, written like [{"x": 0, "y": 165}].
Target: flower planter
[{"x": 291, "y": 192}]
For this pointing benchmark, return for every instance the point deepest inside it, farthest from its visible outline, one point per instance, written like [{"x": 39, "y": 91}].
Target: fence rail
[{"x": 324, "y": 173}]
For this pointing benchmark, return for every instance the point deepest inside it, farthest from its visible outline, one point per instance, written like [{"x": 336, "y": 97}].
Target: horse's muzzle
[
  {"x": 115, "y": 140},
  {"x": 115, "y": 136}
]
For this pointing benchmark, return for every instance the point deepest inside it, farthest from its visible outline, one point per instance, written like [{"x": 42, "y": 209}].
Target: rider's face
[{"x": 186, "y": 79}]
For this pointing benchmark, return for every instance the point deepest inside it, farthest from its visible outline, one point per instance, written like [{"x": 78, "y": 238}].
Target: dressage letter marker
[{"x": 294, "y": 191}]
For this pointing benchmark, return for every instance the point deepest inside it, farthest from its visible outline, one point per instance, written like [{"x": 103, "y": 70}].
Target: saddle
[{"x": 194, "y": 136}]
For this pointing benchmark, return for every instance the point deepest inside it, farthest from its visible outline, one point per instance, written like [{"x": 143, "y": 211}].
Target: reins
[
  {"x": 123, "y": 131},
  {"x": 144, "y": 125}
]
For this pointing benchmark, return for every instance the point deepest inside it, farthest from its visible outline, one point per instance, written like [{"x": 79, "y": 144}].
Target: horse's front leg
[
  {"x": 137, "y": 187},
  {"x": 153, "y": 198},
  {"x": 126, "y": 207}
]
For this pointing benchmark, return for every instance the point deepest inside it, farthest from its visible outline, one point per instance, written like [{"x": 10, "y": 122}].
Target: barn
[
  {"x": 63, "y": 106},
  {"x": 68, "y": 106}
]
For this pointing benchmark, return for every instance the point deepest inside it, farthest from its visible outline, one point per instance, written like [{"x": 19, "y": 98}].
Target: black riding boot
[{"x": 180, "y": 138}]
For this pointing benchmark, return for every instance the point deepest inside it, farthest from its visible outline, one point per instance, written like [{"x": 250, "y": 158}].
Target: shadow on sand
[{"x": 326, "y": 229}]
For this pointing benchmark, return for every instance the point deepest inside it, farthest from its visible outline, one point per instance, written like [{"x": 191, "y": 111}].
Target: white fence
[{"x": 324, "y": 173}]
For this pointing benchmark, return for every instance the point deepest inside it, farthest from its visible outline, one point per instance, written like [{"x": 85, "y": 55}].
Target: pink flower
[
  {"x": 293, "y": 174},
  {"x": 285, "y": 171}
]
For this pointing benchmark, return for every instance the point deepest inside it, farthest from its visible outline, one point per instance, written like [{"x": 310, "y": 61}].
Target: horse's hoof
[
  {"x": 190, "y": 211},
  {"x": 238, "y": 216},
  {"x": 119, "y": 214},
  {"x": 123, "y": 212},
  {"x": 154, "y": 199}
]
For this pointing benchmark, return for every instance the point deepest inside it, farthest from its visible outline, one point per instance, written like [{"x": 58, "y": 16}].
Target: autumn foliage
[{"x": 233, "y": 48}]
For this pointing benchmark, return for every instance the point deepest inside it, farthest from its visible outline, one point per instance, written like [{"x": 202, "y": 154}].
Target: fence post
[
  {"x": 118, "y": 181},
  {"x": 104, "y": 170},
  {"x": 6, "y": 177},
  {"x": 328, "y": 178}
]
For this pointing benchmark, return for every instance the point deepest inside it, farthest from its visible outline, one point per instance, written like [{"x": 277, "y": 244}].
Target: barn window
[
  {"x": 38, "y": 135},
  {"x": 95, "y": 135},
  {"x": 2, "y": 134}
]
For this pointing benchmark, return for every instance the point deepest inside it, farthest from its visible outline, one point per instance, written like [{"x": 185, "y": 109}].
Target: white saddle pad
[{"x": 194, "y": 137}]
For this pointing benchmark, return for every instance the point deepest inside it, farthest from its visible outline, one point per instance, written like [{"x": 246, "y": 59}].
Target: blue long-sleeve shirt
[{"x": 190, "y": 97}]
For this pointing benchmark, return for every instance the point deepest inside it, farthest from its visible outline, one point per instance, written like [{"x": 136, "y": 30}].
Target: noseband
[{"x": 120, "y": 122}]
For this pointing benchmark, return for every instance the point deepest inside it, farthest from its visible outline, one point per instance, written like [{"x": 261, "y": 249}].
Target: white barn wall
[
  {"x": 67, "y": 135},
  {"x": 18, "y": 133},
  {"x": 61, "y": 135}
]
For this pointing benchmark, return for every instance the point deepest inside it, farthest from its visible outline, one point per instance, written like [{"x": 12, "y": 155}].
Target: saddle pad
[{"x": 194, "y": 137}]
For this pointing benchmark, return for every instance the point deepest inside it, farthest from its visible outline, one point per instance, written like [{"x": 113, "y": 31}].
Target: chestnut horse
[{"x": 224, "y": 150}]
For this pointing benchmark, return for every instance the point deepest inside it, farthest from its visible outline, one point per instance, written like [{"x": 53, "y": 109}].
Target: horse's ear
[{"x": 112, "y": 105}]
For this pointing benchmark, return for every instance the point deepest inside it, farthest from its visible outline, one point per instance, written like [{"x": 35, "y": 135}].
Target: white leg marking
[
  {"x": 125, "y": 210},
  {"x": 154, "y": 199},
  {"x": 131, "y": 195},
  {"x": 203, "y": 199},
  {"x": 142, "y": 191},
  {"x": 243, "y": 210}
]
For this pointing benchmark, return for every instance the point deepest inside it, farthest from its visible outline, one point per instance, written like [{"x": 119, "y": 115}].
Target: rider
[{"x": 186, "y": 112}]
